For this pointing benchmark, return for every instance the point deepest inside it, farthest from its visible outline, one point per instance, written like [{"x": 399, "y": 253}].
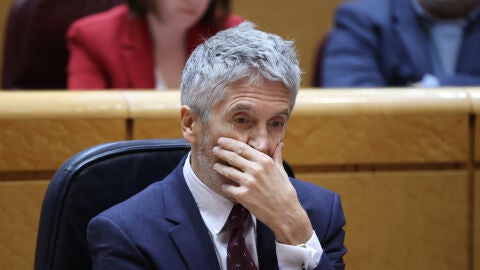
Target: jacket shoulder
[
  {"x": 233, "y": 20},
  {"x": 377, "y": 10},
  {"x": 102, "y": 21}
]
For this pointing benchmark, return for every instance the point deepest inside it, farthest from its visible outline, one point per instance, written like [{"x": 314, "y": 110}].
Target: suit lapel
[
  {"x": 413, "y": 38},
  {"x": 137, "y": 52},
  {"x": 189, "y": 232},
  {"x": 469, "y": 53}
]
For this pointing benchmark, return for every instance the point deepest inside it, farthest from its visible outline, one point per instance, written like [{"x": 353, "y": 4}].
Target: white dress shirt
[
  {"x": 159, "y": 81},
  {"x": 215, "y": 210},
  {"x": 445, "y": 41}
]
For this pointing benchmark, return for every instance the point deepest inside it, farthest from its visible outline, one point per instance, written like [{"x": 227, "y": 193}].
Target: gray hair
[{"x": 238, "y": 53}]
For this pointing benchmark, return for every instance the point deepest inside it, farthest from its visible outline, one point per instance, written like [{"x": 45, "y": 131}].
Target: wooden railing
[{"x": 405, "y": 163}]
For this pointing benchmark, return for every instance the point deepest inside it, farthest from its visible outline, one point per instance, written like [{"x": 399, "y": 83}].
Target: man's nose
[{"x": 258, "y": 140}]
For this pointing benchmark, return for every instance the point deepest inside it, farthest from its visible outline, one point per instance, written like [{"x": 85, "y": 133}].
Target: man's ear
[{"x": 189, "y": 122}]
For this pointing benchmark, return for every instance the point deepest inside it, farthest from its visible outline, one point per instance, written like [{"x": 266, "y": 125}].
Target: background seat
[
  {"x": 92, "y": 181},
  {"x": 317, "y": 80},
  {"x": 35, "y": 53}
]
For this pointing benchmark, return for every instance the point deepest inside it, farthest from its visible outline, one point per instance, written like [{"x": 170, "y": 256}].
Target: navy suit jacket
[
  {"x": 161, "y": 228},
  {"x": 383, "y": 43}
]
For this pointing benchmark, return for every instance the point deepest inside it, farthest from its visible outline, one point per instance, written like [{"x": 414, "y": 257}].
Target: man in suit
[
  {"x": 238, "y": 91},
  {"x": 403, "y": 43}
]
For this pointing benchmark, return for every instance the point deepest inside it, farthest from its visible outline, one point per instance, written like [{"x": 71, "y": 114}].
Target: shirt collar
[{"x": 213, "y": 207}]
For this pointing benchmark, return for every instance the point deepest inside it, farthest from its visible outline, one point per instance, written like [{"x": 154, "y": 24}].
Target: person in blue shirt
[{"x": 377, "y": 43}]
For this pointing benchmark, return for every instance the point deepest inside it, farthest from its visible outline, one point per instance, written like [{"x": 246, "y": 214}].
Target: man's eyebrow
[
  {"x": 244, "y": 107},
  {"x": 285, "y": 112},
  {"x": 241, "y": 107}
]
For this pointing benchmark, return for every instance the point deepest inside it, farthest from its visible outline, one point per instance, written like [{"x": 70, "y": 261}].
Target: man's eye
[
  {"x": 240, "y": 120},
  {"x": 277, "y": 123}
]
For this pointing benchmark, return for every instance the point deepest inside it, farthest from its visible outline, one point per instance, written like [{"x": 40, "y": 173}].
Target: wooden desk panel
[
  {"x": 476, "y": 222},
  {"x": 414, "y": 215},
  {"x": 345, "y": 127},
  {"x": 158, "y": 128},
  {"x": 404, "y": 220},
  {"x": 62, "y": 105},
  {"x": 475, "y": 99},
  {"x": 39, "y": 130},
  {"x": 20, "y": 204},
  {"x": 154, "y": 114},
  {"x": 376, "y": 139},
  {"x": 44, "y": 144}
]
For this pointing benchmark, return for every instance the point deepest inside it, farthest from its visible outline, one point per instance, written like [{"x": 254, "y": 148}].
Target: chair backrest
[
  {"x": 317, "y": 80},
  {"x": 35, "y": 53},
  {"x": 92, "y": 181}
]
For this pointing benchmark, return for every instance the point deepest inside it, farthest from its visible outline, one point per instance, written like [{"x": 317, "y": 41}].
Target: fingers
[
  {"x": 238, "y": 162},
  {"x": 253, "y": 178},
  {"x": 230, "y": 158},
  {"x": 277, "y": 154},
  {"x": 241, "y": 156},
  {"x": 240, "y": 148}
]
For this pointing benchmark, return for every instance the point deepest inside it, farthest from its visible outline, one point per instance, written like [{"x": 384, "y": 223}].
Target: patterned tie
[{"x": 238, "y": 256}]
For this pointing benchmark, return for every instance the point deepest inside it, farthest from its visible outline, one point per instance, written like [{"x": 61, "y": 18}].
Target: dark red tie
[{"x": 238, "y": 256}]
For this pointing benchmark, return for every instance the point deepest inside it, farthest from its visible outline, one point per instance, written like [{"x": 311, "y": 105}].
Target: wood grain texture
[
  {"x": 476, "y": 222},
  {"x": 403, "y": 220},
  {"x": 20, "y": 204},
  {"x": 44, "y": 144}
]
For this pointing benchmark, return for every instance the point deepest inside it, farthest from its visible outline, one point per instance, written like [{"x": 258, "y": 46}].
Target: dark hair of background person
[{"x": 138, "y": 8}]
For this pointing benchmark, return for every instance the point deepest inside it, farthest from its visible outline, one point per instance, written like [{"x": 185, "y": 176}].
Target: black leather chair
[
  {"x": 35, "y": 53},
  {"x": 92, "y": 181}
]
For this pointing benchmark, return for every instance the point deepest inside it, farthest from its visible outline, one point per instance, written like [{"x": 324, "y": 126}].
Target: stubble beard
[{"x": 206, "y": 160}]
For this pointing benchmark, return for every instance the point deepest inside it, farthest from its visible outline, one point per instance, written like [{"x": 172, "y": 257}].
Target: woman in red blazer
[{"x": 142, "y": 45}]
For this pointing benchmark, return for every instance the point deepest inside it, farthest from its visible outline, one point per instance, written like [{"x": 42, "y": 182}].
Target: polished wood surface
[
  {"x": 20, "y": 204},
  {"x": 403, "y": 220},
  {"x": 405, "y": 162},
  {"x": 476, "y": 221},
  {"x": 44, "y": 144},
  {"x": 346, "y": 127},
  {"x": 383, "y": 101},
  {"x": 155, "y": 114},
  {"x": 379, "y": 127},
  {"x": 62, "y": 105},
  {"x": 475, "y": 100},
  {"x": 40, "y": 130}
]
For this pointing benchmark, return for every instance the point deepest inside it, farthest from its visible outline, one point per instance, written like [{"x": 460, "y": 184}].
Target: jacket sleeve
[
  {"x": 83, "y": 71},
  {"x": 350, "y": 57},
  {"x": 333, "y": 240},
  {"x": 111, "y": 248},
  {"x": 460, "y": 80}
]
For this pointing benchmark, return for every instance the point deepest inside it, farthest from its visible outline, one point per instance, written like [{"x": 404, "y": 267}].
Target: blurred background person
[
  {"x": 143, "y": 44},
  {"x": 425, "y": 43}
]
